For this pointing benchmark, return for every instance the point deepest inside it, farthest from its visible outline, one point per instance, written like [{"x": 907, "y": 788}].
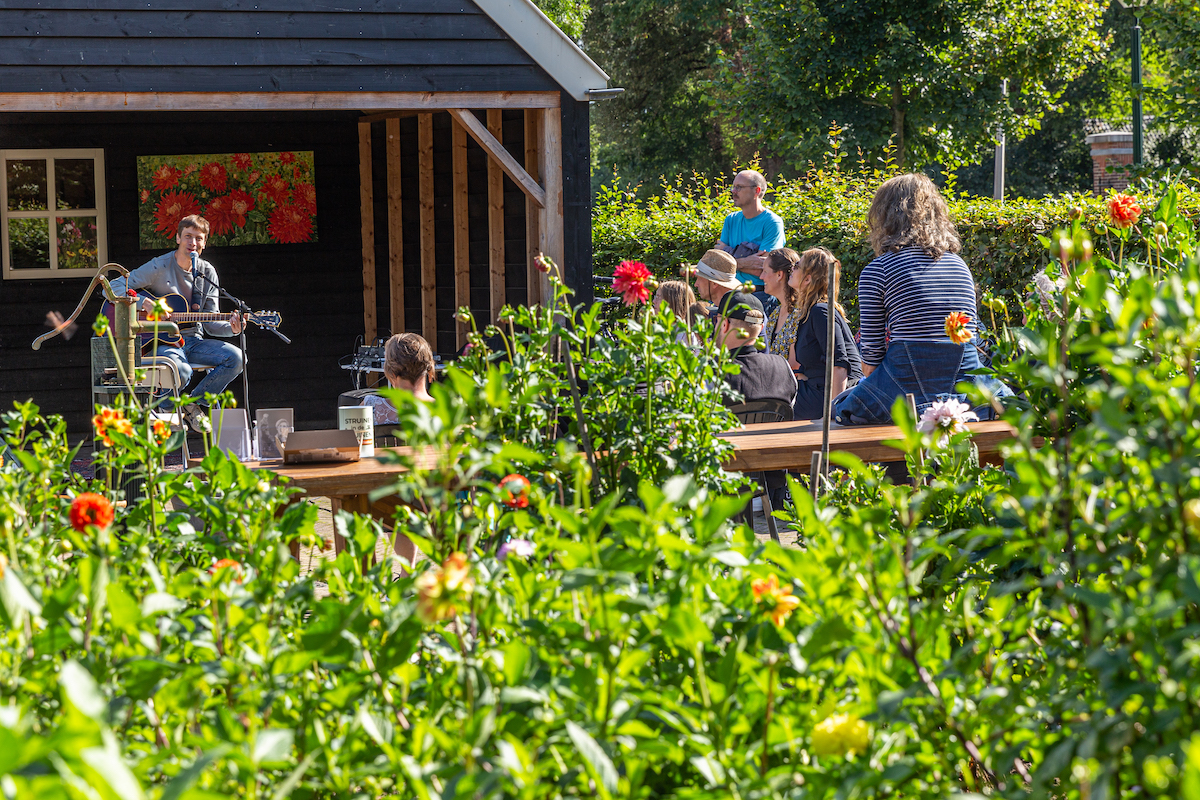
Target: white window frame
[{"x": 52, "y": 213}]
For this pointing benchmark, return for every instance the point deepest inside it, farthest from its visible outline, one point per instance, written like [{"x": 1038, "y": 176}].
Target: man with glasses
[{"x": 753, "y": 230}]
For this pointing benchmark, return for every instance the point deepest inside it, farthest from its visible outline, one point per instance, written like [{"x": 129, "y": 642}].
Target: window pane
[
  {"x": 77, "y": 242},
  {"x": 29, "y": 243},
  {"x": 75, "y": 182},
  {"x": 26, "y": 184}
]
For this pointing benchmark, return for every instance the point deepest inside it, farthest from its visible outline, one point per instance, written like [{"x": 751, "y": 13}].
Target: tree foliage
[{"x": 925, "y": 76}]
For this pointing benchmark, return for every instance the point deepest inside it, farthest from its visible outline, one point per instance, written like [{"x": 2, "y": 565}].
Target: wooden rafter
[{"x": 271, "y": 101}]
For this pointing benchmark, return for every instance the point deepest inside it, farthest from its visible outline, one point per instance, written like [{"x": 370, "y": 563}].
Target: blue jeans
[
  {"x": 929, "y": 370},
  {"x": 224, "y": 359}
]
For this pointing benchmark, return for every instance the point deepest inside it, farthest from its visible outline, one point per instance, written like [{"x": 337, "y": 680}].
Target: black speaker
[{"x": 355, "y": 397}]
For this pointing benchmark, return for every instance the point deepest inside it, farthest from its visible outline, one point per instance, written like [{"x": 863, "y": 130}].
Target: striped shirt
[{"x": 906, "y": 295}]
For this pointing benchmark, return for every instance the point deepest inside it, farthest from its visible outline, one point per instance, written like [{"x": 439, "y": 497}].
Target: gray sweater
[{"x": 161, "y": 275}]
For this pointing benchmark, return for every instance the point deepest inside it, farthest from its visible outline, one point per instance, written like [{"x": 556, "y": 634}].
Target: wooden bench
[{"x": 789, "y": 445}]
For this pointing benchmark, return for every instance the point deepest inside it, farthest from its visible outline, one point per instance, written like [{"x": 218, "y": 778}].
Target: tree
[
  {"x": 921, "y": 75},
  {"x": 568, "y": 15},
  {"x": 665, "y": 55}
]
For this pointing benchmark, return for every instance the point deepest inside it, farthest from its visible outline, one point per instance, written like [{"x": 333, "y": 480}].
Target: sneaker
[{"x": 197, "y": 418}]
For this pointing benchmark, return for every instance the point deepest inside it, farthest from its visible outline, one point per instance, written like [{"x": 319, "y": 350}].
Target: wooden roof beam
[{"x": 500, "y": 155}]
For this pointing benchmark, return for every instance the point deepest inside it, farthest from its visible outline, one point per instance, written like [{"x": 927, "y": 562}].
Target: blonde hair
[
  {"x": 677, "y": 296},
  {"x": 785, "y": 259},
  {"x": 408, "y": 356},
  {"x": 815, "y": 262},
  {"x": 909, "y": 211}
]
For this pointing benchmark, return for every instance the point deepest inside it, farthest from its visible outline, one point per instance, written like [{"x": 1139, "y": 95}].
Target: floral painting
[{"x": 247, "y": 198}]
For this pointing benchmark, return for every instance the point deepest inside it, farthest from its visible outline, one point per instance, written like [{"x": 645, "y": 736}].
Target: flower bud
[
  {"x": 1085, "y": 249},
  {"x": 100, "y": 326},
  {"x": 549, "y": 477},
  {"x": 463, "y": 316},
  {"x": 687, "y": 270},
  {"x": 542, "y": 263},
  {"x": 1076, "y": 212},
  {"x": 1191, "y": 514},
  {"x": 1066, "y": 247},
  {"x": 651, "y": 284},
  {"x": 1161, "y": 229}
]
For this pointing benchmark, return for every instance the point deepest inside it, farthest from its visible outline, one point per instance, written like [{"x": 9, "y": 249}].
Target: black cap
[{"x": 739, "y": 305}]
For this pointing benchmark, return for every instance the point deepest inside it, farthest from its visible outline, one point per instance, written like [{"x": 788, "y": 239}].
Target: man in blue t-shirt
[{"x": 753, "y": 230}]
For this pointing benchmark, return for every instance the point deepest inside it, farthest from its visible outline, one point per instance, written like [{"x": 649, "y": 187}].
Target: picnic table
[{"x": 757, "y": 448}]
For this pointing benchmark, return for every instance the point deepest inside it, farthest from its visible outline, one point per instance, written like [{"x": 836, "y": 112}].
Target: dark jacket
[{"x": 763, "y": 377}]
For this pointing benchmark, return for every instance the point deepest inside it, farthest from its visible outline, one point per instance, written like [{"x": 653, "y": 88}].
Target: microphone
[{"x": 195, "y": 256}]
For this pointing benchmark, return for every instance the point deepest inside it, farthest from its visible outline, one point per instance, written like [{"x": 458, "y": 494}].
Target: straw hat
[{"x": 720, "y": 268}]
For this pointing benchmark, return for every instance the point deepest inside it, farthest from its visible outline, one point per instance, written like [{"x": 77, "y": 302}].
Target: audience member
[
  {"x": 753, "y": 230},
  {"x": 783, "y": 319},
  {"x": 678, "y": 296},
  {"x": 408, "y": 365},
  {"x": 904, "y": 296},
  {"x": 739, "y": 321},
  {"x": 716, "y": 274},
  {"x": 810, "y": 280}
]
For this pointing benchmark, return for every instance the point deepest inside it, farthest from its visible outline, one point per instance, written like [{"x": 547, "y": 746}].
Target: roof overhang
[{"x": 546, "y": 44}]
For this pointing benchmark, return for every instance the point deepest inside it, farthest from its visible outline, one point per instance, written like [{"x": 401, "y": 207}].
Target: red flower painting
[
  {"x": 247, "y": 198},
  {"x": 213, "y": 177},
  {"x": 290, "y": 225},
  {"x": 173, "y": 207}
]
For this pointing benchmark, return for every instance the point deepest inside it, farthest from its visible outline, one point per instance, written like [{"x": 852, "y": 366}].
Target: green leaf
[
  {"x": 602, "y": 766},
  {"x": 184, "y": 780},
  {"x": 516, "y": 658},
  {"x": 273, "y": 745},
  {"x": 81, "y": 689}
]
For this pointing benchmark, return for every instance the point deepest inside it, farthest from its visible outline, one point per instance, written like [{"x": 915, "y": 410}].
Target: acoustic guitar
[{"x": 182, "y": 316}]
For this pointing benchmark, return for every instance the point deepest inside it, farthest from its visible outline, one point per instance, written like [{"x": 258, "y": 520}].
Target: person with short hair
[
  {"x": 739, "y": 321},
  {"x": 172, "y": 273},
  {"x": 810, "y": 280},
  {"x": 716, "y": 274},
  {"x": 408, "y": 365},
  {"x": 905, "y": 295},
  {"x": 752, "y": 231}
]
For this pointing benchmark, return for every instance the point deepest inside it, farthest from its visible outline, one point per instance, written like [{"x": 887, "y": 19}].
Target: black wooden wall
[
  {"x": 249, "y": 45},
  {"x": 317, "y": 286}
]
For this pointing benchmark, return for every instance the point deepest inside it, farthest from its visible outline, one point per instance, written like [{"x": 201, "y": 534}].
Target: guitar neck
[{"x": 201, "y": 317}]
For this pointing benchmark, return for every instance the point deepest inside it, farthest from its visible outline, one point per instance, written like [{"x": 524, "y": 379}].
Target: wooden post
[
  {"x": 462, "y": 236},
  {"x": 550, "y": 220},
  {"x": 495, "y": 219},
  {"x": 428, "y": 273},
  {"x": 533, "y": 279},
  {"x": 366, "y": 196},
  {"x": 395, "y": 225},
  {"x": 831, "y": 332},
  {"x": 814, "y": 474}
]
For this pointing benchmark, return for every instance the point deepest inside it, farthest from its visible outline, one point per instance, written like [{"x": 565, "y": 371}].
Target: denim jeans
[
  {"x": 224, "y": 358},
  {"x": 929, "y": 370}
]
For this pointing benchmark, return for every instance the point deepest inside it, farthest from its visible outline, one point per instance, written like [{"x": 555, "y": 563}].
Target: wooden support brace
[
  {"x": 428, "y": 272},
  {"x": 495, "y": 221},
  {"x": 366, "y": 194},
  {"x": 500, "y": 155},
  {"x": 395, "y": 225},
  {"x": 462, "y": 236}
]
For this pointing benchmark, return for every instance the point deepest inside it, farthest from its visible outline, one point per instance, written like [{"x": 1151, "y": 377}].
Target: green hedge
[{"x": 829, "y": 207}]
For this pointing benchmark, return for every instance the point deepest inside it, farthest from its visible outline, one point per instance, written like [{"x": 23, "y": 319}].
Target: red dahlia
[
  {"x": 242, "y": 160},
  {"x": 212, "y": 177},
  {"x": 629, "y": 280},
  {"x": 290, "y": 225},
  {"x": 514, "y": 491},
  {"x": 173, "y": 207},
  {"x": 165, "y": 177},
  {"x": 276, "y": 187},
  {"x": 219, "y": 213}
]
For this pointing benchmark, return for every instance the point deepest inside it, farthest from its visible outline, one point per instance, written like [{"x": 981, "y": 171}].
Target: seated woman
[
  {"x": 784, "y": 319},
  {"x": 904, "y": 296},
  {"x": 408, "y": 365},
  {"x": 678, "y": 296},
  {"x": 810, "y": 280}
]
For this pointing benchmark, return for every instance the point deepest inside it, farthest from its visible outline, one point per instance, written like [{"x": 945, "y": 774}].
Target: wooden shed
[{"x": 438, "y": 145}]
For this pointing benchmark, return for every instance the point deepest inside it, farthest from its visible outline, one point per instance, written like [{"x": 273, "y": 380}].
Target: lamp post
[{"x": 1137, "y": 6}]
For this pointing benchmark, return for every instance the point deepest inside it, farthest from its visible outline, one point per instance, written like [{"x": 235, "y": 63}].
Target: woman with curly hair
[
  {"x": 808, "y": 354},
  {"x": 905, "y": 295}
]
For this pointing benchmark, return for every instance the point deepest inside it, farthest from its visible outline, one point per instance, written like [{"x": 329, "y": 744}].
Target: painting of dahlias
[{"x": 247, "y": 198}]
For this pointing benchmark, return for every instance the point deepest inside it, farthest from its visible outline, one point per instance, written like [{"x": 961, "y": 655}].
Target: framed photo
[{"x": 274, "y": 425}]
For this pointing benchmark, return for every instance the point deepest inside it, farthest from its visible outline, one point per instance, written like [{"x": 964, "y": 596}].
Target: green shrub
[{"x": 828, "y": 207}]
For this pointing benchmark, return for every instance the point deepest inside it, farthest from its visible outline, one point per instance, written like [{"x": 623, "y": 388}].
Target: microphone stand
[{"x": 242, "y": 308}]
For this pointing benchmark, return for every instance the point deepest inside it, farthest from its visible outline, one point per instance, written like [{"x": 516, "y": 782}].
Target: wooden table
[{"x": 789, "y": 445}]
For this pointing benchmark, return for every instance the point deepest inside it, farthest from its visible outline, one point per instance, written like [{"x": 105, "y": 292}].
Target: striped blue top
[{"x": 906, "y": 295}]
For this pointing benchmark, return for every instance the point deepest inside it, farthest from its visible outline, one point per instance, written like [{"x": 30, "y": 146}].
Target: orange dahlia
[
  {"x": 956, "y": 327},
  {"x": 91, "y": 509},
  {"x": 779, "y": 599},
  {"x": 514, "y": 491},
  {"x": 1123, "y": 210},
  {"x": 110, "y": 421}
]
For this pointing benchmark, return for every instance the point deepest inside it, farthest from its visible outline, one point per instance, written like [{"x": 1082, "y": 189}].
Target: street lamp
[{"x": 1137, "y": 6}]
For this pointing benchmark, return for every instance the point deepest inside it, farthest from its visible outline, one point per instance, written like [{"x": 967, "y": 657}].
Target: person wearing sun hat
[{"x": 716, "y": 274}]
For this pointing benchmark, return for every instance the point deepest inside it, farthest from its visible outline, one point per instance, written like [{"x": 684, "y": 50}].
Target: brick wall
[{"x": 1110, "y": 148}]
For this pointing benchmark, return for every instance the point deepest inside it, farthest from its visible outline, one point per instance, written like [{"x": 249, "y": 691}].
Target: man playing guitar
[{"x": 172, "y": 273}]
